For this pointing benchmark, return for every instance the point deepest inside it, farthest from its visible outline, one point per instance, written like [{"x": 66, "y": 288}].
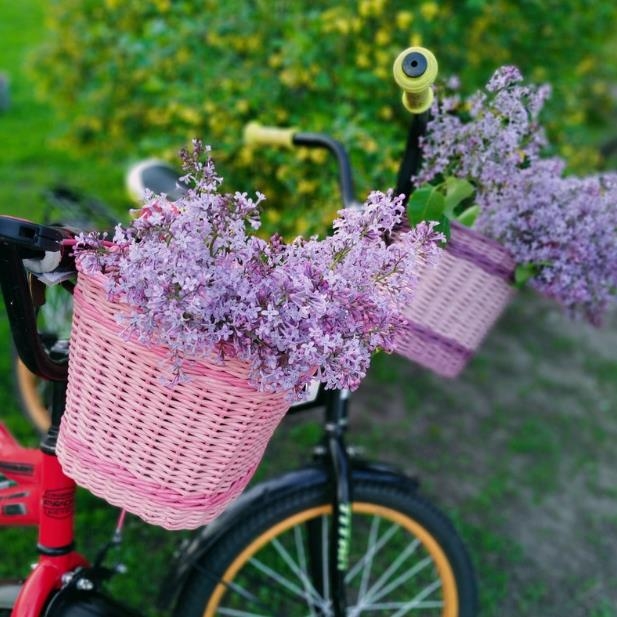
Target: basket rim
[
  {"x": 227, "y": 367},
  {"x": 458, "y": 247}
]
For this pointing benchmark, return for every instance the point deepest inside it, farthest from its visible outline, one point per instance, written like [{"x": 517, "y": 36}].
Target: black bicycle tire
[{"x": 201, "y": 586}]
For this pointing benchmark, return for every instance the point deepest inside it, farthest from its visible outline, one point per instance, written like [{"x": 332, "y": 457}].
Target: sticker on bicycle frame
[
  {"x": 58, "y": 503},
  {"x": 14, "y": 509},
  {"x": 344, "y": 537},
  {"x": 12, "y": 496},
  {"x": 6, "y": 483},
  {"x": 22, "y": 469},
  {"x": 312, "y": 390}
]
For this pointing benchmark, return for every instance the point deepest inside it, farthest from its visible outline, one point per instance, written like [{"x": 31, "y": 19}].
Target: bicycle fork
[{"x": 340, "y": 471}]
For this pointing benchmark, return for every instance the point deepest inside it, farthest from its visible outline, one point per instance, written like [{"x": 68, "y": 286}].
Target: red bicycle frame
[{"x": 35, "y": 491}]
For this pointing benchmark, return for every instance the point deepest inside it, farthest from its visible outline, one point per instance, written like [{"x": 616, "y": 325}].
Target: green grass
[
  {"x": 522, "y": 456},
  {"x": 32, "y": 157}
]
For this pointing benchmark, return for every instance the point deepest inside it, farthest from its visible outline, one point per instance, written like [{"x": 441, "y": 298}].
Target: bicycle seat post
[{"x": 340, "y": 532}]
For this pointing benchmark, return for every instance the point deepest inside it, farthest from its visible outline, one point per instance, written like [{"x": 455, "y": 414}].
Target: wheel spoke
[
  {"x": 286, "y": 588},
  {"x": 307, "y": 593},
  {"x": 417, "y": 602},
  {"x": 368, "y": 560},
  {"x": 285, "y": 570},
  {"x": 394, "y": 566},
  {"x": 309, "y": 588},
  {"x": 409, "y": 574},
  {"x": 404, "y": 606},
  {"x": 234, "y": 586},
  {"x": 376, "y": 591},
  {"x": 247, "y": 595},
  {"x": 301, "y": 553},
  {"x": 374, "y": 548}
]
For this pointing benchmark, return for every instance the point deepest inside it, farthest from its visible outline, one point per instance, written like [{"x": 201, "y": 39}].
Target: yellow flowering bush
[{"x": 146, "y": 77}]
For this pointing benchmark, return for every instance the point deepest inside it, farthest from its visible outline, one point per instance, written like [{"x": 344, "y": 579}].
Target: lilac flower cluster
[
  {"x": 203, "y": 284},
  {"x": 562, "y": 229},
  {"x": 488, "y": 136}
]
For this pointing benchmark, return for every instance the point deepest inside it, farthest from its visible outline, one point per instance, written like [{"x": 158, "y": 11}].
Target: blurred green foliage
[{"x": 145, "y": 77}]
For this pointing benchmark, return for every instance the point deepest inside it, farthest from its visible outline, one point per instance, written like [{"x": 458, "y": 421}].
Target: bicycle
[{"x": 307, "y": 542}]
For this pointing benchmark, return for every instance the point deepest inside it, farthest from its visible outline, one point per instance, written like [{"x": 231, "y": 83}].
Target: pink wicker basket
[
  {"x": 457, "y": 302},
  {"x": 176, "y": 457}
]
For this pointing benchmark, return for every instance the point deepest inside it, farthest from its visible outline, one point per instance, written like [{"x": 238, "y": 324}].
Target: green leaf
[
  {"x": 457, "y": 191},
  {"x": 523, "y": 272},
  {"x": 444, "y": 226},
  {"x": 425, "y": 204},
  {"x": 468, "y": 217}
]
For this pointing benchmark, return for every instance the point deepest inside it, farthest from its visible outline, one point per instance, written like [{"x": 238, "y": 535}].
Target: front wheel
[{"x": 406, "y": 559}]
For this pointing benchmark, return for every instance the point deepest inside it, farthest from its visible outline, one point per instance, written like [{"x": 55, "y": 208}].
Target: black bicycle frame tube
[
  {"x": 57, "y": 407},
  {"x": 340, "y": 531},
  {"x": 319, "y": 140},
  {"x": 412, "y": 157}
]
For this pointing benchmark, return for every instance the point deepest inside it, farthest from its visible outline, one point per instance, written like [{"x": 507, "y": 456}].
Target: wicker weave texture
[
  {"x": 441, "y": 355},
  {"x": 457, "y": 303},
  {"x": 175, "y": 456}
]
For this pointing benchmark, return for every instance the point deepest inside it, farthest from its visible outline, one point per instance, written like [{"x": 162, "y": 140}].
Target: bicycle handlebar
[
  {"x": 32, "y": 237},
  {"x": 415, "y": 70},
  {"x": 256, "y": 134},
  {"x": 21, "y": 239}
]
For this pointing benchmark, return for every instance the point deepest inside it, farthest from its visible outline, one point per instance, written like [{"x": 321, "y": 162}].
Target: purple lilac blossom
[
  {"x": 201, "y": 283},
  {"x": 564, "y": 226}
]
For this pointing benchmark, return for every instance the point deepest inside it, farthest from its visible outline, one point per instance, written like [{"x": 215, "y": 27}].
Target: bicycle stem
[{"x": 412, "y": 157}]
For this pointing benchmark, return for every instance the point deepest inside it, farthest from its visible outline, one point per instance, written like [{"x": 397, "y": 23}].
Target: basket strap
[
  {"x": 462, "y": 250},
  {"x": 427, "y": 335}
]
